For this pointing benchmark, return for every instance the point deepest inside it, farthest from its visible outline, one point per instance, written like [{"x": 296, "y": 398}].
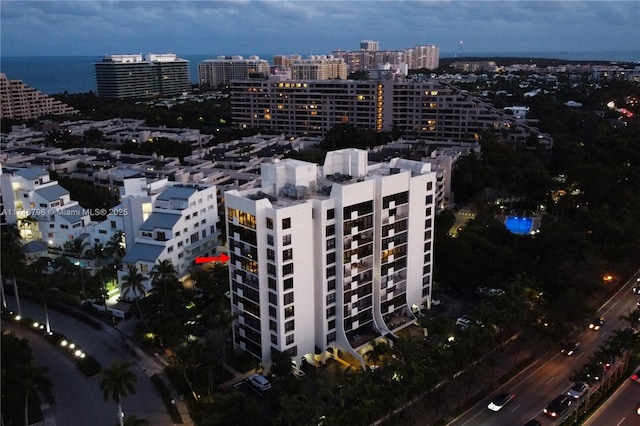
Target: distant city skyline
[{"x": 66, "y": 28}]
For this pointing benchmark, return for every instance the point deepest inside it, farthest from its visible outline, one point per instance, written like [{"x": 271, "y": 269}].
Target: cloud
[{"x": 244, "y": 27}]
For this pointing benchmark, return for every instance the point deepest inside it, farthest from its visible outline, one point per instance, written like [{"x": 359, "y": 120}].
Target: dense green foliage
[{"x": 20, "y": 375}]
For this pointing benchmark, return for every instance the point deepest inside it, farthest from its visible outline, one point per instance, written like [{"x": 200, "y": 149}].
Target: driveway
[{"x": 79, "y": 400}]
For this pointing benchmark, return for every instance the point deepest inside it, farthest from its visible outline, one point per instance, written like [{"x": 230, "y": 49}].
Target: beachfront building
[
  {"x": 140, "y": 77},
  {"x": 21, "y": 102},
  {"x": 421, "y": 109},
  {"x": 370, "y": 57},
  {"x": 326, "y": 259},
  {"x": 319, "y": 67},
  {"x": 213, "y": 72}
]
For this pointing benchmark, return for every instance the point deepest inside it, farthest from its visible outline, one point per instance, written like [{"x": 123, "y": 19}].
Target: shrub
[{"x": 165, "y": 394}]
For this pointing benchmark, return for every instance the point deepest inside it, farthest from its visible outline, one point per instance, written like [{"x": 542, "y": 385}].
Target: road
[
  {"x": 79, "y": 400},
  {"x": 549, "y": 376},
  {"x": 620, "y": 409}
]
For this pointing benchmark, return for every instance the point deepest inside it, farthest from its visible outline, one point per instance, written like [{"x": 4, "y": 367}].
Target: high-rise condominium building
[
  {"x": 329, "y": 258},
  {"x": 319, "y": 67},
  {"x": 212, "y": 72},
  {"x": 370, "y": 57},
  {"x": 135, "y": 76},
  {"x": 430, "y": 109},
  {"x": 21, "y": 102}
]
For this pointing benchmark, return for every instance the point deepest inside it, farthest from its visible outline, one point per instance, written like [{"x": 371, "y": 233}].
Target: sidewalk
[{"x": 150, "y": 365}]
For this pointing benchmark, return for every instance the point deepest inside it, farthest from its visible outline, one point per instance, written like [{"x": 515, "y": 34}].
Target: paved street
[{"x": 79, "y": 400}]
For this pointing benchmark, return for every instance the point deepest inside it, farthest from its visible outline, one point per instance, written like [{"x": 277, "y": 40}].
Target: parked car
[
  {"x": 496, "y": 292},
  {"x": 570, "y": 348},
  {"x": 596, "y": 323},
  {"x": 500, "y": 401},
  {"x": 636, "y": 376},
  {"x": 558, "y": 406},
  {"x": 259, "y": 382},
  {"x": 463, "y": 323},
  {"x": 578, "y": 390}
]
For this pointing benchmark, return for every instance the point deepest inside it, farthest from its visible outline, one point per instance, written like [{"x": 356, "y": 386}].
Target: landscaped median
[{"x": 87, "y": 364}]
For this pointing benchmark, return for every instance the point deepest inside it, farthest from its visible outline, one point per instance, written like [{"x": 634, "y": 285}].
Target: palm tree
[
  {"x": 77, "y": 247},
  {"x": 114, "y": 246},
  {"x": 31, "y": 374},
  {"x": 42, "y": 292},
  {"x": 117, "y": 382},
  {"x": 98, "y": 252},
  {"x": 13, "y": 258},
  {"x": 133, "y": 282},
  {"x": 163, "y": 276}
]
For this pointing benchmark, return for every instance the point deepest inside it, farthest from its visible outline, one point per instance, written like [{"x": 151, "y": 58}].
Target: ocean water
[{"x": 75, "y": 74}]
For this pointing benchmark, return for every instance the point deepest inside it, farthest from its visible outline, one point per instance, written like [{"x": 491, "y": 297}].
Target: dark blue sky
[{"x": 60, "y": 28}]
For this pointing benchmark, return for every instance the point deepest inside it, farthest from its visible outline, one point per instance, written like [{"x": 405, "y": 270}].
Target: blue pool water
[{"x": 519, "y": 225}]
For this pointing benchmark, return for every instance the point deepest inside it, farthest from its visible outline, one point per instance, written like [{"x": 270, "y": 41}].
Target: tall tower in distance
[{"x": 369, "y": 45}]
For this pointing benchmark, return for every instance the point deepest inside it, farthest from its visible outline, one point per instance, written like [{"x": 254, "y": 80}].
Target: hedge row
[{"x": 169, "y": 402}]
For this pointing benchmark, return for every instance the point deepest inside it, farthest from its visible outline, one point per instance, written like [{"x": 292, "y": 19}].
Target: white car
[
  {"x": 578, "y": 390},
  {"x": 259, "y": 382},
  {"x": 500, "y": 401}
]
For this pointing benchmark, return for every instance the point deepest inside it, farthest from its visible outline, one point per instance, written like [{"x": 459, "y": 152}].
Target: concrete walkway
[{"x": 152, "y": 365}]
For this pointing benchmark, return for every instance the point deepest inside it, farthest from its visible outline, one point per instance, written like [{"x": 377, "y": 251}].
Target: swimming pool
[{"x": 519, "y": 225}]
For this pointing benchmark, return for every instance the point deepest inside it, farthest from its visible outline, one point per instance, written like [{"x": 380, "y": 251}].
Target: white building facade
[
  {"x": 176, "y": 223},
  {"x": 323, "y": 260},
  {"x": 54, "y": 216},
  {"x": 212, "y": 72}
]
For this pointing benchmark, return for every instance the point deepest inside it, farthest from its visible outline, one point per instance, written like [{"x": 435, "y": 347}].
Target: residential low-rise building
[
  {"x": 175, "y": 222},
  {"x": 40, "y": 207}
]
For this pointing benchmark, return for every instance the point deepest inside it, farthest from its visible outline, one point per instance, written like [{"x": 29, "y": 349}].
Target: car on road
[
  {"x": 578, "y": 390},
  {"x": 500, "y": 401},
  {"x": 596, "y": 323},
  {"x": 570, "y": 348},
  {"x": 638, "y": 408},
  {"x": 636, "y": 376},
  {"x": 533, "y": 422},
  {"x": 259, "y": 382},
  {"x": 558, "y": 406}
]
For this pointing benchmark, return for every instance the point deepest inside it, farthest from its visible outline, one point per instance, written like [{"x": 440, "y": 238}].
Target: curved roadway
[{"x": 78, "y": 398}]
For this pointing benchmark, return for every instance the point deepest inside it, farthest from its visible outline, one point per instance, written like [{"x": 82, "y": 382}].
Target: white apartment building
[
  {"x": 212, "y": 72},
  {"x": 29, "y": 192},
  {"x": 325, "y": 259},
  {"x": 370, "y": 57},
  {"x": 319, "y": 67},
  {"x": 168, "y": 222}
]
